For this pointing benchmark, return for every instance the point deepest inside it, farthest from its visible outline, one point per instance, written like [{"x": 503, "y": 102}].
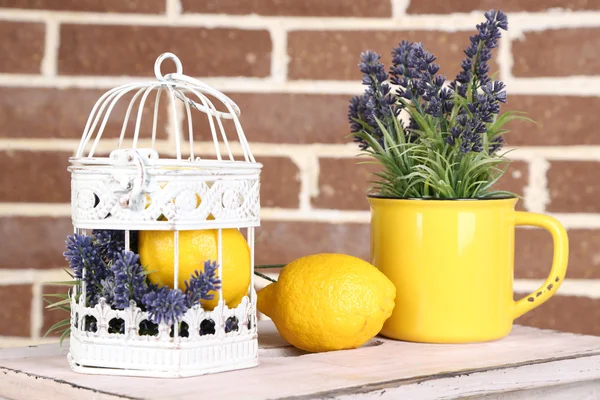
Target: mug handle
[{"x": 559, "y": 262}]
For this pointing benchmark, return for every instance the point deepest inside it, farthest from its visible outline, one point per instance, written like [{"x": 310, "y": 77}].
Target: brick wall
[{"x": 291, "y": 66}]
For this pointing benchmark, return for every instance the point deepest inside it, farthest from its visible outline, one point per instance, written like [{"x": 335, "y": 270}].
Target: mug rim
[{"x": 503, "y": 197}]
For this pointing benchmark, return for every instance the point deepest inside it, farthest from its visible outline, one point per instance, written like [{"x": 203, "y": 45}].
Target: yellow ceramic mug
[{"x": 452, "y": 263}]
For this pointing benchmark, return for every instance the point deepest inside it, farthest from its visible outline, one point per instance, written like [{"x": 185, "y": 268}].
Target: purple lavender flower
[
  {"x": 129, "y": 280},
  {"x": 201, "y": 284},
  {"x": 80, "y": 252},
  {"x": 110, "y": 242},
  {"x": 414, "y": 72},
  {"x": 496, "y": 144},
  {"x": 165, "y": 305},
  {"x": 377, "y": 103},
  {"x": 475, "y": 67},
  {"x": 108, "y": 289},
  {"x": 83, "y": 254},
  {"x": 231, "y": 324}
]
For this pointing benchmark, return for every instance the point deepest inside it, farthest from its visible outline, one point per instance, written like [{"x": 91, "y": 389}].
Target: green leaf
[
  {"x": 269, "y": 266},
  {"x": 264, "y": 276},
  {"x": 59, "y": 303},
  {"x": 65, "y": 283},
  {"x": 64, "y": 335},
  {"x": 58, "y": 325},
  {"x": 58, "y": 295}
]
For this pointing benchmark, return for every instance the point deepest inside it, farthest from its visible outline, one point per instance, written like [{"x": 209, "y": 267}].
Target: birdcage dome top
[
  {"x": 195, "y": 178},
  {"x": 186, "y": 96}
]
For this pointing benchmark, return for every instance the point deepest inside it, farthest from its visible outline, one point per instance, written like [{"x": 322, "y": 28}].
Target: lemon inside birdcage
[{"x": 156, "y": 249}]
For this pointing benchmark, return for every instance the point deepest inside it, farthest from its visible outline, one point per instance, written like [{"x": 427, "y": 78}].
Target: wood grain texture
[{"x": 527, "y": 359}]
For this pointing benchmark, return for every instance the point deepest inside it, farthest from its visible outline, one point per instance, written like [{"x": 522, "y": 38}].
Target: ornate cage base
[
  {"x": 161, "y": 355},
  {"x": 150, "y": 361}
]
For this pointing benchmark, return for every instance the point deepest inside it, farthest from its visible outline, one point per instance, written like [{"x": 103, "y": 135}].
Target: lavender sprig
[
  {"x": 111, "y": 243},
  {"x": 201, "y": 284},
  {"x": 129, "y": 280},
  {"x": 475, "y": 67},
  {"x": 414, "y": 71},
  {"x": 377, "y": 103},
  {"x": 165, "y": 305},
  {"x": 83, "y": 254},
  {"x": 79, "y": 253}
]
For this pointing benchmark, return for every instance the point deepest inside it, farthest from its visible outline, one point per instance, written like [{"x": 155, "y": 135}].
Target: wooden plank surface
[{"x": 527, "y": 359}]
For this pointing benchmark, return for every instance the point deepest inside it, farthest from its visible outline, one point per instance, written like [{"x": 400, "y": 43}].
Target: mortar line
[
  {"x": 589, "y": 288},
  {"x": 505, "y": 59},
  {"x": 447, "y": 22},
  {"x": 37, "y": 311},
  {"x": 536, "y": 192},
  {"x": 306, "y": 214},
  {"x": 568, "y": 86},
  {"x": 570, "y": 287},
  {"x": 399, "y": 8},
  {"x": 279, "y": 55},
  {"x": 173, "y": 9},
  {"x": 49, "y": 64},
  {"x": 308, "y": 170},
  {"x": 15, "y": 276},
  {"x": 260, "y": 149}
]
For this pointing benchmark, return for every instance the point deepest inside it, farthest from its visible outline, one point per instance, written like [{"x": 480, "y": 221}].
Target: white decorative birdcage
[{"x": 134, "y": 189}]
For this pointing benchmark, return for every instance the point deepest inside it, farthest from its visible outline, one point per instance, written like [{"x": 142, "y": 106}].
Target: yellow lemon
[
  {"x": 156, "y": 250},
  {"x": 328, "y": 302}
]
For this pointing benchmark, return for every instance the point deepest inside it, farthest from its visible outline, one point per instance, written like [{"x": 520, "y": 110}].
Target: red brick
[
  {"x": 34, "y": 242},
  {"x": 514, "y": 180},
  {"x": 533, "y": 254},
  {"x": 465, "y": 6},
  {"x": 333, "y": 55},
  {"x": 318, "y": 8},
  {"x": 560, "y": 120},
  {"x": 300, "y": 118},
  {"x": 39, "y": 177},
  {"x": 15, "y": 313},
  {"x": 554, "y": 53},
  {"x": 344, "y": 183},
  {"x": 283, "y": 242},
  {"x": 132, "y": 50},
  {"x": 286, "y": 118},
  {"x": 574, "y": 186},
  {"x": 567, "y": 314},
  {"x": 22, "y": 47},
  {"x": 126, "y": 6},
  {"x": 279, "y": 183},
  {"x": 63, "y": 113},
  {"x": 53, "y": 315}
]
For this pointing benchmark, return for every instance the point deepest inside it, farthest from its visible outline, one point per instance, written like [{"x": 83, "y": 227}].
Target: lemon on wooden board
[
  {"x": 328, "y": 302},
  {"x": 156, "y": 250}
]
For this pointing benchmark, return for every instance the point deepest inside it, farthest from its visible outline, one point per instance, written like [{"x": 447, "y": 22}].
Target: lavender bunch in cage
[
  {"x": 111, "y": 243},
  {"x": 165, "y": 305},
  {"x": 85, "y": 260},
  {"x": 129, "y": 280},
  {"x": 203, "y": 285},
  {"x": 431, "y": 137}
]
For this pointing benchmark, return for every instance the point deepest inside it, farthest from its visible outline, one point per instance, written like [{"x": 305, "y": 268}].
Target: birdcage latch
[{"x": 141, "y": 182}]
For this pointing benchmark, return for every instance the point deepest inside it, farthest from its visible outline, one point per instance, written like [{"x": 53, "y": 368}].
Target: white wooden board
[{"x": 529, "y": 359}]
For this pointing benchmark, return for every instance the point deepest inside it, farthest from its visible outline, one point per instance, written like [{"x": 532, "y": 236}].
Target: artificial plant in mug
[{"x": 439, "y": 230}]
